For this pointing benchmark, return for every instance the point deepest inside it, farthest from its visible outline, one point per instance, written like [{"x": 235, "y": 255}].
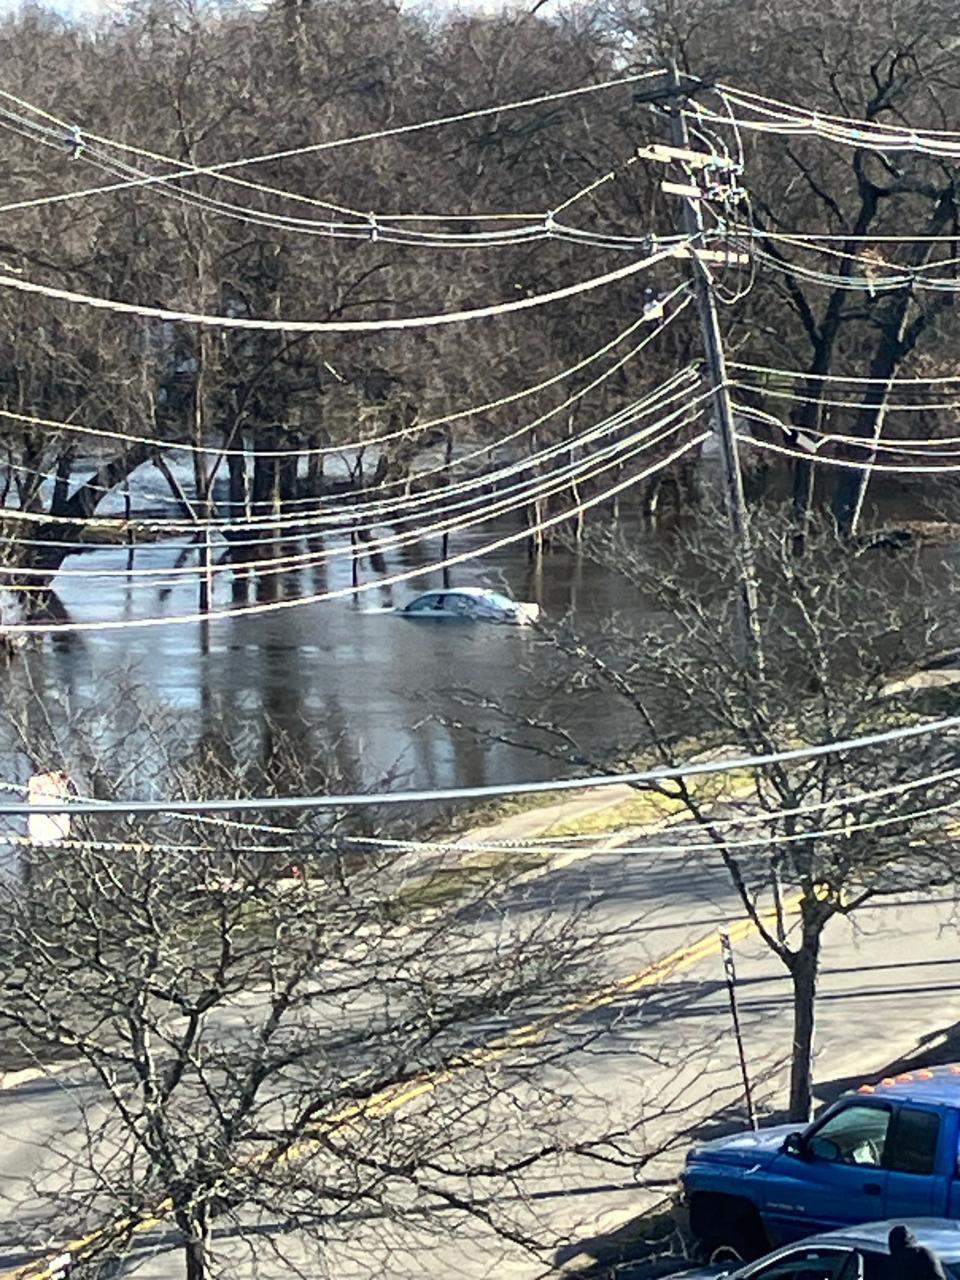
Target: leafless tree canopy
[{"x": 841, "y": 637}]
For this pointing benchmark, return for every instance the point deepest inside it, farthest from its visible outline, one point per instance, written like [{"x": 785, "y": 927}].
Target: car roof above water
[
  {"x": 479, "y": 593},
  {"x": 475, "y": 593}
]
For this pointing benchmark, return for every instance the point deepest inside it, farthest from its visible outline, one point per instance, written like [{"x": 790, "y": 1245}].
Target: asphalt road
[{"x": 659, "y": 1059}]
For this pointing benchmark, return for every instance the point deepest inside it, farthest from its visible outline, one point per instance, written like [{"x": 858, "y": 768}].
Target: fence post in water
[
  {"x": 128, "y": 531},
  {"x": 445, "y": 541},
  {"x": 574, "y": 486}
]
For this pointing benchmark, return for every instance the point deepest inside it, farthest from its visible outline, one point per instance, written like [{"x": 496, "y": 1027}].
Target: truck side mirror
[{"x": 793, "y": 1145}]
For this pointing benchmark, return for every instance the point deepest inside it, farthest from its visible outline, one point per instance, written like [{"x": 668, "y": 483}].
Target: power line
[
  {"x": 802, "y": 374},
  {"x": 524, "y": 494},
  {"x": 548, "y": 522},
  {"x": 224, "y": 169},
  {"x": 849, "y": 464},
  {"x": 373, "y": 441},
  {"x": 691, "y": 769},
  {"x": 337, "y": 326},
  {"x": 302, "y": 524},
  {"x": 772, "y": 115},
  {"x": 844, "y": 800}
]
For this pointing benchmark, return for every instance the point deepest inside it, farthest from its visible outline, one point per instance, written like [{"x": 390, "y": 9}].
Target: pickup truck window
[
  {"x": 913, "y": 1145},
  {"x": 855, "y": 1135}
]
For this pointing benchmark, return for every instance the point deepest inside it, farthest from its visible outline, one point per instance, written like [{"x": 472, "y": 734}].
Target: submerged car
[
  {"x": 471, "y": 604},
  {"x": 852, "y": 1253}
]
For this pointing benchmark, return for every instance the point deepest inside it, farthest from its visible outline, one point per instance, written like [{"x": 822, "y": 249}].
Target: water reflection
[
  {"x": 345, "y": 674},
  {"x": 346, "y": 671}
]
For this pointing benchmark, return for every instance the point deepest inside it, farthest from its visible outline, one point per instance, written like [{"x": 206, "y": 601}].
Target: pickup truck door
[
  {"x": 918, "y": 1161},
  {"x": 837, "y": 1177}
]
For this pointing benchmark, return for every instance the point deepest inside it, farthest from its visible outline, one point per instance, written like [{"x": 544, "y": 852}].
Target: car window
[
  {"x": 460, "y": 604},
  {"x": 810, "y": 1263},
  {"x": 437, "y": 602},
  {"x": 913, "y": 1144},
  {"x": 855, "y": 1135},
  {"x": 875, "y": 1265}
]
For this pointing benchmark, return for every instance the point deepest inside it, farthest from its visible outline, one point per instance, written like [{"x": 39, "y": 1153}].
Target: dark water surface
[{"x": 346, "y": 670}]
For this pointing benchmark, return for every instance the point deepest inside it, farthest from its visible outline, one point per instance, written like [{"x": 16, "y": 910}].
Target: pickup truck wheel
[{"x": 727, "y": 1229}]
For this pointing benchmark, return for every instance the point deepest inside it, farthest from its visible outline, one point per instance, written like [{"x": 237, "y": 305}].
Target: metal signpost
[{"x": 730, "y": 972}]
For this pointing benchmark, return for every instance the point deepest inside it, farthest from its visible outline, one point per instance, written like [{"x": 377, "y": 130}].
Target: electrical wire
[
  {"x": 36, "y": 628},
  {"x": 522, "y": 495},
  {"x": 890, "y": 405},
  {"x": 542, "y": 487},
  {"x": 619, "y": 452},
  {"x": 805, "y": 375},
  {"x": 224, "y": 170},
  {"x": 384, "y": 324},
  {"x": 707, "y": 846},
  {"x": 687, "y": 847},
  {"x": 543, "y": 844},
  {"x": 848, "y": 464},
  {"x": 368, "y": 442},
  {"x": 869, "y": 257},
  {"x": 374, "y": 227},
  {"x": 775, "y": 116},
  {"x": 872, "y": 284},
  {"x": 302, "y": 524},
  {"x": 763, "y": 818},
  {"x": 691, "y": 769}
]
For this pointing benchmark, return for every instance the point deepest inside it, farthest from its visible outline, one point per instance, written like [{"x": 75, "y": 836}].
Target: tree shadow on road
[{"x": 647, "y": 1246}]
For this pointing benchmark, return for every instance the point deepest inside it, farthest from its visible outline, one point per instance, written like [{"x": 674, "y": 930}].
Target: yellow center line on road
[{"x": 393, "y": 1097}]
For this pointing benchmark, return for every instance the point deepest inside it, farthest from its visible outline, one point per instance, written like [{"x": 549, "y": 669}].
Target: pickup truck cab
[{"x": 889, "y": 1150}]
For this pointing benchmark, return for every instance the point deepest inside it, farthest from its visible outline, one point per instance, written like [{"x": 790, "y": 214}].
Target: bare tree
[
  {"x": 816, "y": 837},
  {"x": 276, "y": 1031}
]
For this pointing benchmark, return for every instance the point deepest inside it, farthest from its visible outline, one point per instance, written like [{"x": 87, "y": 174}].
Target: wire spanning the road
[
  {"x": 557, "y": 844},
  {"x": 353, "y": 508},
  {"x": 828, "y": 460},
  {"x": 352, "y": 518},
  {"x": 800, "y": 375},
  {"x": 691, "y": 769},
  {"x": 405, "y": 575},
  {"x": 755, "y": 112}
]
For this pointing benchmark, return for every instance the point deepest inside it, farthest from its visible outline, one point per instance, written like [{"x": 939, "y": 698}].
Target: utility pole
[{"x": 698, "y": 255}]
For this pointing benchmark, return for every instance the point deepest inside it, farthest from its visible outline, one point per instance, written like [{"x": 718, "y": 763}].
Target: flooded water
[{"x": 346, "y": 671}]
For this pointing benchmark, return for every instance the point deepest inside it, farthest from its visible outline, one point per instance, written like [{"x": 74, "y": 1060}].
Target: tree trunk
[
  {"x": 809, "y": 418},
  {"x": 264, "y": 490},
  {"x": 239, "y": 514},
  {"x": 195, "y": 1228},
  {"x": 804, "y": 972},
  {"x": 899, "y": 336}
]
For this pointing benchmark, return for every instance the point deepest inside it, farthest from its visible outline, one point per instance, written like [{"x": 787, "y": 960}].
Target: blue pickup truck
[{"x": 889, "y": 1150}]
